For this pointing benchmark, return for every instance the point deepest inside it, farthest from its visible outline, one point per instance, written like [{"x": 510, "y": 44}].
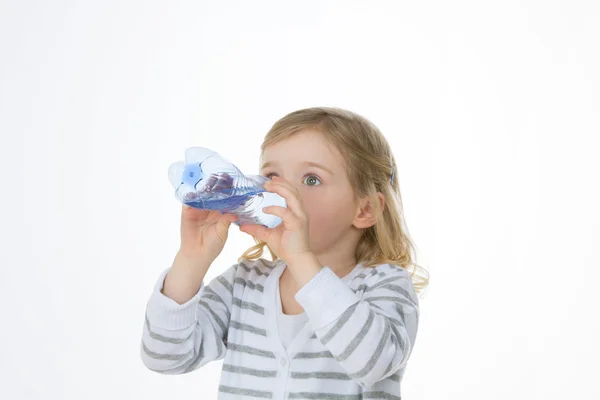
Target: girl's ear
[{"x": 366, "y": 215}]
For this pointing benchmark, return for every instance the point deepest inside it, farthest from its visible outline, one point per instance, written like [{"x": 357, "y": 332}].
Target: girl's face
[{"x": 317, "y": 170}]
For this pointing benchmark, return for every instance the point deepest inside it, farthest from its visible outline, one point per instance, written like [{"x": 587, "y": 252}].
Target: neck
[
  {"x": 339, "y": 257},
  {"x": 340, "y": 267}
]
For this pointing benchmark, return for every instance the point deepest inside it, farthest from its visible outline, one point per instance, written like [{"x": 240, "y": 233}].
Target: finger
[
  {"x": 193, "y": 212},
  {"x": 290, "y": 195},
  {"x": 260, "y": 232},
  {"x": 223, "y": 224},
  {"x": 286, "y": 184},
  {"x": 289, "y": 219},
  {"x": 229, "y": 218},
  {"x": 282, "y": 181}
]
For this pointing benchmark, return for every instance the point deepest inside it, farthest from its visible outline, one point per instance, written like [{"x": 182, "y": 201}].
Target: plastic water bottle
[{"x": 206, "y": 180}]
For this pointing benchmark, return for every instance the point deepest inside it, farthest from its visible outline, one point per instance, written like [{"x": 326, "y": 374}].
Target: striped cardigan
[{"x": 356, "y": 344}]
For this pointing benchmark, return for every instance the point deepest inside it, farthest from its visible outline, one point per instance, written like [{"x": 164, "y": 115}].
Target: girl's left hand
[{"x": 290, "y": 239}]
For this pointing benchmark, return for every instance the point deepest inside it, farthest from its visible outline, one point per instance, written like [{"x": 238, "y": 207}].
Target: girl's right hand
[{"x": 204, "y": 232}]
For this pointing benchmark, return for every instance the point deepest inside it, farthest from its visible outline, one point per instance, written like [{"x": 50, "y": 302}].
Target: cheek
[
  {"x": 316, "y": 204},
  {"x": 324, "y": 208},
  {"x": 322, "y": 213}
]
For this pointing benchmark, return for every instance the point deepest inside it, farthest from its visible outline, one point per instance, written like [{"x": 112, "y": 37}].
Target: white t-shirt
[{"x": 289, "y": 325}]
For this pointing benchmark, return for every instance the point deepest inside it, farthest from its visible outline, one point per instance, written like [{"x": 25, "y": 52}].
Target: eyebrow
[{"x": 313, "y": 164}]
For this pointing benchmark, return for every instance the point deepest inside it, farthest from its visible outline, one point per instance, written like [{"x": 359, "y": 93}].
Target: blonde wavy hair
[{"x": 370, "y": 164}]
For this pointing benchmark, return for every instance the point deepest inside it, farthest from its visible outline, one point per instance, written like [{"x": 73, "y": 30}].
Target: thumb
[
  {"x": 258, "y": 231},
  {"x": 225, "y": 221}
]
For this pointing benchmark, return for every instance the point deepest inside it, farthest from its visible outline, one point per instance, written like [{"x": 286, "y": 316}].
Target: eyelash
[{"x": 320, "y": 182}]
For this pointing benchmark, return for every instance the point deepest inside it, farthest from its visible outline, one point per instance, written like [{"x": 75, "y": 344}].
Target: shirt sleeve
[
  {"x": 179, "y": 338},
  {"x": 371, "y": 335}
]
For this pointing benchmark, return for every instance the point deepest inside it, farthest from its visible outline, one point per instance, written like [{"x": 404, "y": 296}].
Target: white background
[{"x": 492, "y": 110}]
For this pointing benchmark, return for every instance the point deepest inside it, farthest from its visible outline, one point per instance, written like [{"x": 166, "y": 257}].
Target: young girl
[{"x": 334, "y": 315}]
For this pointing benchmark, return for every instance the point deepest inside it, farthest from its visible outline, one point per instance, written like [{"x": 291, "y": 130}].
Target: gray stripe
[
  {"x": 400, "y": 310},
  {"x": 321, "y": 375},
  {"x": 226, "y": 284},
  {"x": 322, "y": 354},
  {"x": 162, "y": 338},
  {"x": 327, "y": 396},
  {"x": 250, "y": 350},
  {"x": 398, "y": 289},
  {"x": 214, "y": 297},
  {"x": 250, "y": 284},
  {"x": 264, "y": 263},
  {"x": 219, "y": 341},
  {"x": 383, "y": 312},
  {"x": 159, "y": 356},
  {"x": 362, "y": 286},
  {"x": 248, "y": 306},
  {"x": 397, "y": 335},
  {"x": 358, "y": 339},
  {"x": 245, "y": 392},
  {"x": 214, "y": 315},
  {"x": 334, "y": 396},
  {"x": 193, "y": 365},
  {"x": 380, "y": 395},
  {"x": 389, "y": 298},
  {"x": 399, "y": 346},
  {"x": 385, "y": 281},
  {"x": 375, "y": 272},
  {"x": 208, "y": 289},
  {"x": 340, "y": 323},
  {"x": 258, "y": 271},
  {"x": 218, "y": 337},
  {"x": 389, "y": 368},
  {"x": 249, "y": 371},
  {"x": 371, "y": 364},
  {"x": 366, "y": 288},
  {"x": 249, "y": 328}
]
